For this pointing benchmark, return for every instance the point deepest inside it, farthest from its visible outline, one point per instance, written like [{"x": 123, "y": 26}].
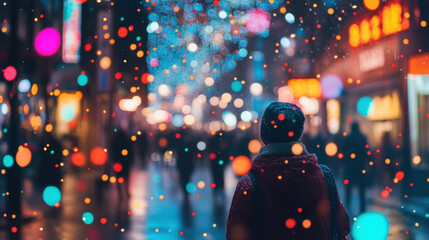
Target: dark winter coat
[{"x": 291, "y": 187}]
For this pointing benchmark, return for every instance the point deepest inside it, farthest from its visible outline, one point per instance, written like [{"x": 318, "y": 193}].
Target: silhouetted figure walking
[
  {"x": 123, "y": 157},
  {"x": 355, "y": 149},
  {"x": 186, "y": 151},
  {"x": 218, "y": 147},
  {"x": 50, "y": 169},
  {"x": 286, "y": 194}
]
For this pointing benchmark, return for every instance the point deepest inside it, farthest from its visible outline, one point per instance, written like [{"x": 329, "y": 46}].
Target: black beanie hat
[{"x": 282, "y": 122}]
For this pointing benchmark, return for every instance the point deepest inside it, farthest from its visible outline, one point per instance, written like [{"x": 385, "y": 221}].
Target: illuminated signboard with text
[
  {"x": 388, "y": 20},
  {"x": 72, "y": 31}
]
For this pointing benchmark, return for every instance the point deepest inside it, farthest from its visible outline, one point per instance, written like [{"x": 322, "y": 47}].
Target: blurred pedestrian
[
  {"x": 219, "y": 152},
  {"x": 186, "y": 151},
  {"x": 286, "y": 194},
  {"x": 355, "y": 149},
  {"x": 123, "y": 158},
  {"x": 50, "y": 169},
  {"x": 142, "y": 146}
]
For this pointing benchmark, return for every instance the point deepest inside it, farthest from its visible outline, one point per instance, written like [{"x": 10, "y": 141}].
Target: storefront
[{"x": 372, "y": 57}]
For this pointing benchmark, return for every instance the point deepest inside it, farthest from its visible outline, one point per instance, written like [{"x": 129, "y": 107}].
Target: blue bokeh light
[
  {"x": 371, "y": 225},
  {"x": 51, "y": 195},
  {"x": 87, "y": 218},
  {"x": 8, "y": 161},
  {"x": 82, "y": 80},
  {"x": 365, "y": 106}
]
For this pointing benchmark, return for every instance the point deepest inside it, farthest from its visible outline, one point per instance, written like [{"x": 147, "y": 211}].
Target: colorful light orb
[
  {"x": 241, "y": 165},
  {"x": 154, "y": 62},
  {"x": 105, "y": 63},
  {"x": 147, "y": 78},
  {"x": 117, "y": 167},
  {"x": 371, "y": 225},
  {"x": 254, "y": 146},
  {"x": 236, "y": 86},
  {"x": 399, "y": 175},
  {"x": 365, "y": 106},
  {"x": 10, "y": 73},
  {"x": 80, "y": 1},
  {"x": 67, "y": 113},
  {"x": 192, "y": 47},
  {"x": 78, "y": 159},
  {"x": 201, "y": 145},
  {"x": 332, "y": 86},
  {"x": 257, "y": 21},
  {"x": 190, "y": 187},
  {"x": 23, "y": 157},
  {"x": 47, "y": 42},
  {"x": 246, "y": 116},
  {"x": 371, "y": 4},
  {"x": 122, "y": 32},
  {"x": 24, "y": 86},
  {"x": 256, "y": 89},
  {"x": 82, "y": 80},
  {"x": 87, "y": 218},
  {"x": 331, "y": 149},
  {"x": 51, "y": 196},
  {"x": 290, "y": 18},
  {"x": 4, "y": 108},
  {"x": 229, "y": 119},
  {"x": 98, "y": 156},
  {"x": 8, "y": 161},
  {"x": 285, "y": 42},
  {"x": 290, "y": 223},
  {"x": 164, "y": 90}
]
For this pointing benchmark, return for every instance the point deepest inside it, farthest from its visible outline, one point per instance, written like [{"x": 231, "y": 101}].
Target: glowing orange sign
[
  {"x": 305, "y": 87},
  {"x": 391, "y": 19}
]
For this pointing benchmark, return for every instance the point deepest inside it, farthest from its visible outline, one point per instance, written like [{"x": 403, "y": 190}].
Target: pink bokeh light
[
  {"x": 10, "y": 73},
  {"x": 257, "y": 21},
  {"x": 47, "y": 42}
]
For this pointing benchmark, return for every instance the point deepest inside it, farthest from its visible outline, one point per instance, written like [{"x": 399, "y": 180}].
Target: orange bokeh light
[
  {"x": 371, "y": 4},
  {"x": 78, "y": 159},
  {"x": 241, "y": 165},
  {"x": 98, "y": 156},
  {"x": 23, "y": 157}
]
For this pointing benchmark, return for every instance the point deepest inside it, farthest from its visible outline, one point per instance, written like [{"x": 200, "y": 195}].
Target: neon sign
[
  {"x": 390, "y": 20},
  {"x": 305, "y": 87},
  {"x": 72, "y": 31}
]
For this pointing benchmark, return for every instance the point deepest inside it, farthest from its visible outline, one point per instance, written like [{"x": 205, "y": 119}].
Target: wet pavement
[{"x": 157, "y": 210}]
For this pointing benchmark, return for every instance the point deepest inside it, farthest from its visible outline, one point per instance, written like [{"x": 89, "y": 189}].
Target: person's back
[{"x": 286, "y": 195}]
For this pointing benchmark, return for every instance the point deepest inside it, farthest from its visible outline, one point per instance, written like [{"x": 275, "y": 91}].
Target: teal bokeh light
[
  {"x": 371, "y": 225},
  {"x": 365, "y": 106},
  {"x": 87, "y": 218},
  {"x": 190, "y": 187},
  {"x": 8, "y": 161},
  {"x": 236, "y": 86},
  {"x": 68, "y": 113},
  {"x": 82, "y": 80},
  {"x": 51, "y": 195}
]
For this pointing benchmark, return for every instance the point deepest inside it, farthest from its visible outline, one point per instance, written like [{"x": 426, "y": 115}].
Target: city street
[{"x": 157, "y": 211}]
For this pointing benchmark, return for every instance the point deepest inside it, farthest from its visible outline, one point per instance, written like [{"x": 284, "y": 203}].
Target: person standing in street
[
  {"x": 355, "y": 149},
  {"x": 286, "y": 194}
]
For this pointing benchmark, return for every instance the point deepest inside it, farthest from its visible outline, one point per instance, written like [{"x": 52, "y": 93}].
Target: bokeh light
[
  {"x": 23, "y": 157},
  {"x": 8, "y": 161},
  {"x": 24, "y": 86},
  {"x": 51, "y": 196},
  {"x": 371, "y": 4},
  {"x": 47, "y": 42},
  {"x": 87, "y": 218},
  {"x": 78, "y": 159},
  {"x": 257, "y": 21},
  {"x": 370, "y": 225},
  {"x": 365, "y": 106},
  {"x": 10, "y": 73},
  {"x": 98, "y": 156},
  {"x": 241, "y": 165},
  {"x": 254, "y": 146},
  {"x": 331, "y": 149},
  {"x": 67, "y": 113},
  {"x": 105, "y": 63},
  {"x": 82, "y": 80},
  {"x": 332, "y": 86}
]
